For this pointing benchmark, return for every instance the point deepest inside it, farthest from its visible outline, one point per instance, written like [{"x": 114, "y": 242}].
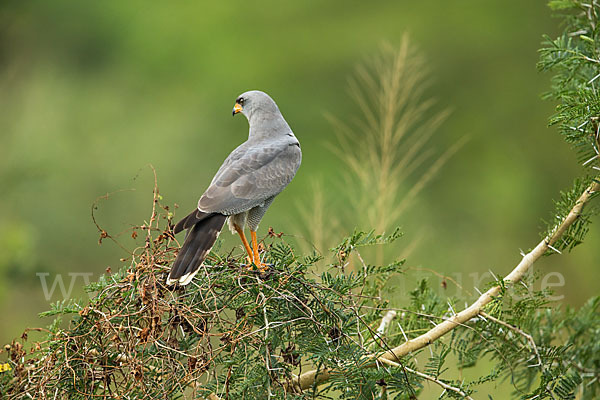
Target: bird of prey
[{"x": 243, "y": 188}]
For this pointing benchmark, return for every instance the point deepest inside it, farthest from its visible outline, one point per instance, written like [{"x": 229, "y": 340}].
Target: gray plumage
[{"x": 245, "y": 185}]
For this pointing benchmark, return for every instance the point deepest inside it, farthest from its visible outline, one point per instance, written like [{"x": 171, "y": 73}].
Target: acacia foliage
[
  {"x": 574, "y": 59},
  {"x": 235, "y": 333}
]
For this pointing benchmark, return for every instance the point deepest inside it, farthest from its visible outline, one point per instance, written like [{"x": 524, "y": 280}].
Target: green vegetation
[
  {"x": 237, "y": 333},
  {"x": 326, "y": 324}
]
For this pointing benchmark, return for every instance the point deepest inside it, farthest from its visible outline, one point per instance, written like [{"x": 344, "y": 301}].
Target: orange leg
[
  {"x": 262, "y": 267},
  {"x": 244, "y": 241}
]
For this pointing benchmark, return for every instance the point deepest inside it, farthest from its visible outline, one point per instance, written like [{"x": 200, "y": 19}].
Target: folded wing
[{"x": 250, "y": 177}]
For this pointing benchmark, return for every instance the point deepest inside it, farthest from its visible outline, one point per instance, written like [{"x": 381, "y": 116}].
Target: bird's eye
[{"x": 241, "y": 101}]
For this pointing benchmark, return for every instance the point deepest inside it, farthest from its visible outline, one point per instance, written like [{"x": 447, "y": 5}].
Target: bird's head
[{"x": 255, "y": 103}]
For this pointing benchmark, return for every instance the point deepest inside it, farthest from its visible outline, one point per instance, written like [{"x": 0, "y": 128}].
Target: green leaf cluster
[{"x": 574, "y": 59}]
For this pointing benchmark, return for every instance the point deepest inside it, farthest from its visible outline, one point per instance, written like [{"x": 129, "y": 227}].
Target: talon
[{"x": 262, "y": 267}]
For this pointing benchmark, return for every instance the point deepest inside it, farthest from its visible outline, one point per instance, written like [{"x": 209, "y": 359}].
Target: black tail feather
[
  {"x": 201, "y": 237},
  {"x": 190, "y": 220}
]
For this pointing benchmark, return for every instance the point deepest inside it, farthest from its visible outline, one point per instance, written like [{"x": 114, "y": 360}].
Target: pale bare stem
[
  {"x": 267, "y": 353},
  {"x": 386, "y": 321},
  {"x": 308, "y": 379},
  {"x": 527, "y": 336},
  {"x": 430, "y": 378}
]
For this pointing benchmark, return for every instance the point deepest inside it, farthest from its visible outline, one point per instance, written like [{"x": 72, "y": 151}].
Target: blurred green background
[{"x": 93, "y": 92}]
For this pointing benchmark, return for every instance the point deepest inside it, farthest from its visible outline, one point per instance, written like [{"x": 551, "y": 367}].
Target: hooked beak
[{"x": 236, "y": 109}]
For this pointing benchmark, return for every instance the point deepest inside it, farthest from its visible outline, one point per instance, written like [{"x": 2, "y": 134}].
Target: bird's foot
[{"x": 262, "y": 267}]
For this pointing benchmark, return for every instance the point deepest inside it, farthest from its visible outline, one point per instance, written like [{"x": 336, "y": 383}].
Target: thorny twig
[
  {"x": 310, "y": 378},
  {"x": 527, "y": 336},
  {"x": 385, "y": 322}
]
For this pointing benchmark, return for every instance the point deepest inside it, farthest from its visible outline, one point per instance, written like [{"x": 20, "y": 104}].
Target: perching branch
[{"x": 317, "y": 377}]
